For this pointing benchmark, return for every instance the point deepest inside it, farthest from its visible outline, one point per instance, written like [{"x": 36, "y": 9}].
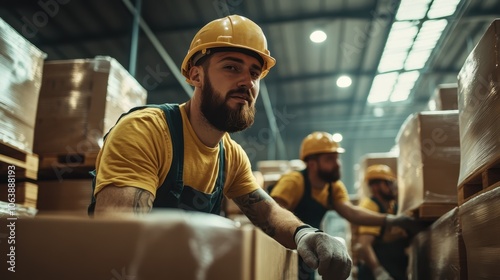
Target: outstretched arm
[
  {"x": 317, "y": 249},
  {"x": 112, "y": 199},
  {"x": 266, "y": 214}
]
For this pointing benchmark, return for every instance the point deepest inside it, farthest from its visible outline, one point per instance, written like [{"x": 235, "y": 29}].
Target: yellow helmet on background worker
[
  {"x": 319, "y": 143},
  {"x": 229, "y": 32},
  {"x": 379, "y": 171}
]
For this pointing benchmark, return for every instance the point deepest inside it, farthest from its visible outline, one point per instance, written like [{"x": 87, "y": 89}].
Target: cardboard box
[
  {"x": 390, "y": 159},
  {"x": 438, "y": 252},
  {"x": 21, "y": 73},
  {"x": 25, "y": 193},
  {"x": 429, "y": 159},
  {"x": 88, "y": 96},
  {"x": 65, "y": 195},
  {"x": 479, "y": 105},
  {"x": 165, "y": 245},
  {"x": 445, "y": 97},
  {"x": 480, "y": 220}
]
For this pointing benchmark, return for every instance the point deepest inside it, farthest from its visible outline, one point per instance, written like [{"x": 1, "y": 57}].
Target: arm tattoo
[
  {"x": 143, "y": 201},
  {"x": 256, "y": 206}
]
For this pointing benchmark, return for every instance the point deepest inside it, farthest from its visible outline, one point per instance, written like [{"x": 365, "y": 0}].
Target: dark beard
[
  {"x": 329, "y": 176},
  {"x": 387, "y": 196},
  {"x": 219, "y": 115}
]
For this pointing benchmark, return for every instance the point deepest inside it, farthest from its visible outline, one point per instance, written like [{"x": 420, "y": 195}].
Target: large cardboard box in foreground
[
  {"x": 429, "y": 159},
  {"x": 164, "y": 245},
  {"x": 479, "y": 106}
]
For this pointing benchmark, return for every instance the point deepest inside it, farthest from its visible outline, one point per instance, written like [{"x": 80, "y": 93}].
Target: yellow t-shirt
[
  {"x": 138, "y": 153},
  {"x": 291, "y": 187},
  {"x": 394, "y": 233}
]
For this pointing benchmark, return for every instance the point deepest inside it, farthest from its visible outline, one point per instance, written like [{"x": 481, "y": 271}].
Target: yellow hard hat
[
  {"x": 230, "y": 32},
  {"x": 318, "y": 143},
  {"x": 379, "y": 171}
]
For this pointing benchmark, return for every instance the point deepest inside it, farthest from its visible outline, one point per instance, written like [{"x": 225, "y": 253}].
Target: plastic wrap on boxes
[
  {"x": 445, "y": 97},
  {"x": 88, "y": 95},
  {"x": 21, "y": 72},
  {"x": 479, "y": 105},
  {"x": 429, "y": 159},
  {"x": 480, "y": 221},
  {"x": 170, "y": 244},
  {"x": 390, "y": 159},
  {"x": 14, "y": 211},
  {"x": 436, "y": 252}
]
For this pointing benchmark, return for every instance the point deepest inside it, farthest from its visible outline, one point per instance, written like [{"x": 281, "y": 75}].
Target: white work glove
[
  {"x": 411, "y": 225},
  {"x": 381, "y": 274},
  {"x": 323, "y": 252}
]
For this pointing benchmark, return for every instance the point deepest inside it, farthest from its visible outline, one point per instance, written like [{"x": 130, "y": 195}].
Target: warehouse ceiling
[{"x": 300, "y": 94}]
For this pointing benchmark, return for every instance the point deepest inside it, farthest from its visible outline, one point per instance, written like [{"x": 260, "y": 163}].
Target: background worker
[
  {"x": 316, "y": 189},
  {"x": 382, "y": 249},
  {"x": 182, "y": 156}
]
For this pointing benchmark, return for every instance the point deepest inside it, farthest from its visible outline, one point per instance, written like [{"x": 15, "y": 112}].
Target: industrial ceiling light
[
  {"x": 318, "y": 36},
  {"x": 344, "y": 81},
  {"x": 337, "y": 137},
  {"x": 413, "y": 37}
]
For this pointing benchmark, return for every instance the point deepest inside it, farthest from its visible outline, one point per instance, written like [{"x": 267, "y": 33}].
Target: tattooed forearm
[
  {"x": 266, "y": 214},
  {"x": 143, "y": 201},
  {"x": 256, "y": 206}
]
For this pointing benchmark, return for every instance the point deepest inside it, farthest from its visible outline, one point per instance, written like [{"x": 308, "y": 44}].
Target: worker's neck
[{"x": 207, "y": 134}]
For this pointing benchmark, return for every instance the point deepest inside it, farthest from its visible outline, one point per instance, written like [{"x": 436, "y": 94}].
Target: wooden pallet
[
  {"x": 432, "y": 211},
  {"x": 66, "y": 166},
  {"x": 25, "y": 164},
  {"x": 485, "y": 179}
]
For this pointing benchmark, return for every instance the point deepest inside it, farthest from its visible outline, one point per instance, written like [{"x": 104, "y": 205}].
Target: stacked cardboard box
[
  {"x": 479, "y": 120},
  {"x": 21, "y": 73},
  {"x": 480, "y": 221},
  {"x": 85, "y": 98},
  {"x": 445, "y": 97},
  {"x": 438, "y": 252},
  {"x": 163, "y": 245},
  {"x": 428, "y": 163}
]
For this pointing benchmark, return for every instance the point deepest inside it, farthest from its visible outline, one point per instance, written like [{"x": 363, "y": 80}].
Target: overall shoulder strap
[{"x": 168, "y": 194}]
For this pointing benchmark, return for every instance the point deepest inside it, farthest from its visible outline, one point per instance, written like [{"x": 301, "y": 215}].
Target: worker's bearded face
[
  {"x": 330, "y": 176},
  {"x": 217, "y": 112}
]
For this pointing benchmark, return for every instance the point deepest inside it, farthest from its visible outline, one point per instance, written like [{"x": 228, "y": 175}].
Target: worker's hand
[
  {"x": 411, "y": 225},
  {"x": 323, "y": 252},
  {"x": 381, "y": 274}
]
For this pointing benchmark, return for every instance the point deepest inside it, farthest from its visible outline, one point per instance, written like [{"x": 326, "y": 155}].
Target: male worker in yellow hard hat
[
  {"x": 181, "y": 156},
  {"x": 311, "y": 192},
  {"x": 382, "y": 249}
]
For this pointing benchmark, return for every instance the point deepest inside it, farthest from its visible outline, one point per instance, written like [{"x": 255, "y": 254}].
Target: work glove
[
  {"x": 407, "y": 223},
  {"x": 381, "y": 274},
  {"x": 323, "y": 252}
]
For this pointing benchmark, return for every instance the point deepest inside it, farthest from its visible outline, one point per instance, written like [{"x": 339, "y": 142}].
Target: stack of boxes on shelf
[
  {"x": 21, "y": 66},
  {"x": 80, "y": 100}
]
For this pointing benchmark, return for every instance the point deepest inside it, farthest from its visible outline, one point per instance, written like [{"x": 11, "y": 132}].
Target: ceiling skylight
[{"x": 413, "y": 37}]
